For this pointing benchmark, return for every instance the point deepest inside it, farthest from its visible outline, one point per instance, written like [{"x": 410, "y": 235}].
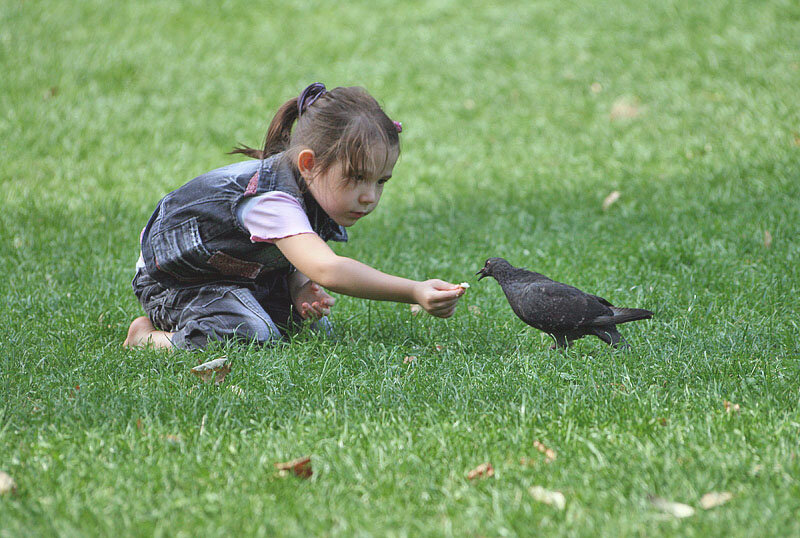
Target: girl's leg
[{"x": 218, "y": 312}]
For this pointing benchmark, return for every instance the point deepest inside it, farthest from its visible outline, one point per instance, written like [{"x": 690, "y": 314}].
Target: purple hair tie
[
  {"x": 398, "y": 126},
  {"x": 308, "y": 96}
]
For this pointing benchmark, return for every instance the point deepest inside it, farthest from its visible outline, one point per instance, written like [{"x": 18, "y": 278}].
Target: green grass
[{"x": 508, "y": 150}]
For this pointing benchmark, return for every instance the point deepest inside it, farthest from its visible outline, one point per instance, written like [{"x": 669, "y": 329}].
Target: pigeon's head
[{"x": 493, "y": 267}]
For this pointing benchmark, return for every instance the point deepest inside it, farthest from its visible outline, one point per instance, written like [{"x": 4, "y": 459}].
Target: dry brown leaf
[
  {"x": 730, "y": 407},
  {"x": 715, "y": 498},
  {"x": 415, "y": 309},
  {"x": 484, "y": 470},
  {"x": 7, "y": 484},
  {"x": 797, "y": 140},
  {"x": 475, "y": 310},
  {"x": 678, "y": 510},
  {"x": 549, "y": 453},
  {"x": 208, "y": 370},
  {"x": 409, "y": 359},
  {"x": 624, "y": 108},
  {"x": 609, "y": 200},
  {"x": 301, "y": 467},
  {"x": 767, "y": 239},
  {"x": 553, "y": 498}
]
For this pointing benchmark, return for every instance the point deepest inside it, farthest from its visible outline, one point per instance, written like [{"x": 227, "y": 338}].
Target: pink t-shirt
[{"x": 273, "y": 215}]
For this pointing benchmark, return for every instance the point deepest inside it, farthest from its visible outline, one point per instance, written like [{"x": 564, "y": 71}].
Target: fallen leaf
[
  {"x": 767, "y": 239},
  {"x": 549, "y": 453},
  {"x": 678, "y": 510},
  {"x": 553, "y": 498},
  {"x": 7, "y": 484},
  {"x": 484, "y": 470},
  {"x": 624, "y": 108},
  {"x": 300, "y": 467},
  {"x": 415, "y": 309},
  {"x": 207, "y": 370},
  {"x": 797, "y": 140},
  {"x": 409, "y": 359},
  {"x": 715, "y": 498},
  {"x": 609, "y": 200},
  {"x": 730, "y": 407},
  {"x": 475, "y": 310}
]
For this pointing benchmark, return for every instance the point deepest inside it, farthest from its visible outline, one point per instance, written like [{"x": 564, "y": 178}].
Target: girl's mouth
[{"x": 357, "y": 214}]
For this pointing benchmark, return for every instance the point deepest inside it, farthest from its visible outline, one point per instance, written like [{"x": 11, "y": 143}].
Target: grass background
[{"x": 509, "y": 148}]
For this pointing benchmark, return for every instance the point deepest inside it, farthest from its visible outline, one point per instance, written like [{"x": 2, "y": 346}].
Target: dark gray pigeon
[{"x": 564, "y": 312}]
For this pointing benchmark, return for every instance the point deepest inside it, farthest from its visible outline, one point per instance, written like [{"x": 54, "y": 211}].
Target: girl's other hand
[
  {"x": 438, "y": 297},
  {"x": 312, "y": 301}
]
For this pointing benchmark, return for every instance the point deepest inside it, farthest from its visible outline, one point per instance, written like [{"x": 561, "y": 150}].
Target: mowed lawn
[{"x": 520, "y": 119}]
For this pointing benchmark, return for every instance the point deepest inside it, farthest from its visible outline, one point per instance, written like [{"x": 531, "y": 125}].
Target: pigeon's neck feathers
[{"x": 517, "y": 275}]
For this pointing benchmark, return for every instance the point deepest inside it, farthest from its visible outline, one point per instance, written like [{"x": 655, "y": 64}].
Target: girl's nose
[{"x": 367, "y": 196}]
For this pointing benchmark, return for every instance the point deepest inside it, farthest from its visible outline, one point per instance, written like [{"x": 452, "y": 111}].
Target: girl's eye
[{"x": 382, "y": 181}]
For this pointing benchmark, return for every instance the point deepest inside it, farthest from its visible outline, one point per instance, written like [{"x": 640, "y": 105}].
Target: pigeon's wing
[
  {"x": 600, "y": 300},
  {"x": 551, "y": 306}
]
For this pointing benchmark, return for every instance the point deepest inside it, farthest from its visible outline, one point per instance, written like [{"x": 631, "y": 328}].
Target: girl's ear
[{"x": 305, "y": 163}]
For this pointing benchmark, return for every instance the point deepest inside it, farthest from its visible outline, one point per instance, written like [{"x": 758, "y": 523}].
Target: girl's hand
[
  {"x": 312, "y": 301},
  {"x": 438, "y": 297}
]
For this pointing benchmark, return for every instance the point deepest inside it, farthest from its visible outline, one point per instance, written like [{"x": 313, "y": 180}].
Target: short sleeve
[{"x": 273, "y": 215}]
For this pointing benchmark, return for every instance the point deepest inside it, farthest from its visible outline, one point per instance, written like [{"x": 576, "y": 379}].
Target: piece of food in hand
[{"x": 464, "y": 285}]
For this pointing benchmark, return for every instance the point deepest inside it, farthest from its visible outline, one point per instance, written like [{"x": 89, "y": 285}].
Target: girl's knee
[{"x": 256, "y": 330}]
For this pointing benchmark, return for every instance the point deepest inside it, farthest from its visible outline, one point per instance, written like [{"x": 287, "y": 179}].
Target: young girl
[{"x": 240, "y": 252}]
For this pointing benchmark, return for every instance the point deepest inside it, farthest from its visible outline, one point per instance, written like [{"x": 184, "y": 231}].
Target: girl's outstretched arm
[{"x": 314, "y": 258}]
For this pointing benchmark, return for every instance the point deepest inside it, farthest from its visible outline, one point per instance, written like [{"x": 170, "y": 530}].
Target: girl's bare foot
[{"x": 142, "y": 333}]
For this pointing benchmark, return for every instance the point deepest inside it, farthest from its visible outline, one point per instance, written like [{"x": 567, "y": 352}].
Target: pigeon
[{"x": 564, "y": 312}]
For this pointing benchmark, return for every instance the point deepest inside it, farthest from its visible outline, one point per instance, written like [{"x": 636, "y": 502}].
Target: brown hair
[{"x": 345, "y": 125}]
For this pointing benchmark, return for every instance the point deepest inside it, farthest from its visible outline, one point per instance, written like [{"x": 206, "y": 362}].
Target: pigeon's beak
[{"x": 482, "y": 272}]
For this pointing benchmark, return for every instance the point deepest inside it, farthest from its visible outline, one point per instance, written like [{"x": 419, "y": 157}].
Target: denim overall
[{"x": 204, "y": 279}]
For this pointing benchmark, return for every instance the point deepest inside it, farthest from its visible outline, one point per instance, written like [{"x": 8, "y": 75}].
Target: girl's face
[{"x": 346, "y": 200}]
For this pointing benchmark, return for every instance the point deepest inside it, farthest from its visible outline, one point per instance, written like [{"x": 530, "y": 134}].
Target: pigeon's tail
[{"x": 623, "y": 315}]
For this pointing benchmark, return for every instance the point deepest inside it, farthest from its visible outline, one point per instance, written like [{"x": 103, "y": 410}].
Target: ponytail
[
  {"x": 343, "y": 125},
  {"x": 278, "y": 135}
]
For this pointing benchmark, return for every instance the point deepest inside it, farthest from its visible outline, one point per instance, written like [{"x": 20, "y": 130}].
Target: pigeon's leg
[
  {"x": 561, "y": 341},
  {"x": 610, "y": 335}
]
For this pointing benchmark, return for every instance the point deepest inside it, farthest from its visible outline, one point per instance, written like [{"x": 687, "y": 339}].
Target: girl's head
[{"x": 337, "y": 140}]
